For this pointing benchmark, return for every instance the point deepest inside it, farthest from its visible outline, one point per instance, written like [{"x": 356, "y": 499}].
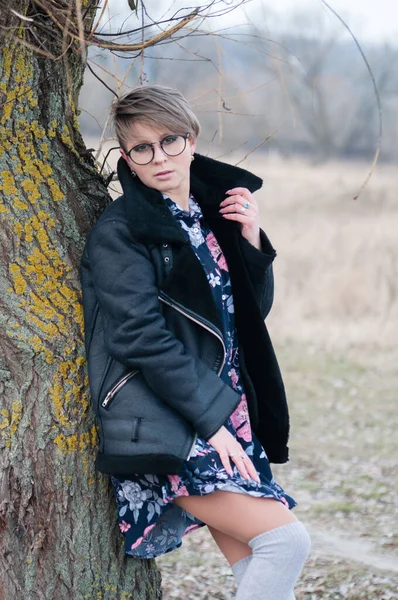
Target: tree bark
[{"x": 59, "y": 538}]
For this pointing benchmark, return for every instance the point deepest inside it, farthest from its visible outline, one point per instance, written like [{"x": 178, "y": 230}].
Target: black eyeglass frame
[{"x": 151, "y": 144}]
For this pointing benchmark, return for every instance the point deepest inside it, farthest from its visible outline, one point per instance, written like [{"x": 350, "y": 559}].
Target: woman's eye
[
  {"x": 141, "y": 148},
  {"x": 169, "y": 139}
]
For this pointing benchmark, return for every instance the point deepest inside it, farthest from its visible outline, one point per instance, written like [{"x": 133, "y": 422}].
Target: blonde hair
[{"x": 155, "y": 105}]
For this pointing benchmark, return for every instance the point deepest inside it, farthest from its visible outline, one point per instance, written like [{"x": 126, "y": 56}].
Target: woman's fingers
[
  {"x": 238, "y": 208},
  {"x": 241, "y": 206},
  {"x": 239, "y": 202},
  {"x": 241, "y": 461},
  {"x": 245, "y": 466},
  {"x": 251, "y": 469},
  {"x": 241, "y": 191},
  {"x": 241, "y": 466},
  {"x": 224, "y": 456},
  {"x": 228, "y": 449}
]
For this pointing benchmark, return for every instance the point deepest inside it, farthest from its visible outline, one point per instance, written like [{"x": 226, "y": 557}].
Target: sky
[{"x": 370, "y": 20}]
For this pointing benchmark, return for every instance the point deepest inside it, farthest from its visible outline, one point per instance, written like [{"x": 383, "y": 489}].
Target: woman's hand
[
  {"x": 242, "y": 207},
  {"x": 229, "y": 449}
]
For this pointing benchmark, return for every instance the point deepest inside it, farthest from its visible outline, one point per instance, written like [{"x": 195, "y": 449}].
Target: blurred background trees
[{"x": 303, "y": 81}]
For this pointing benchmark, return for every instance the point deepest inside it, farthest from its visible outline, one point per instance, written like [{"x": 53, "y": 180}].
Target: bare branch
[
  {"x": 256, "y": 147},
  {"x": 80, "y": 28},
  {"x": 376, "y": 91},
  {"x": 99, "y": 79}
]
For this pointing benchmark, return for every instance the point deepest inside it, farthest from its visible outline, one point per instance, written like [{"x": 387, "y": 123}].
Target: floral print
[{"x": 148, "y": 518}]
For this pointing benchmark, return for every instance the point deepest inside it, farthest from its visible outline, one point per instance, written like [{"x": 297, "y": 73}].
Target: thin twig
[
  {"x": 237, "y": 95},
  {"x": 96, "y": 25},
  {"x": 380, "y": 110},
  {"x": 141, "y": 77},
  {"x": 101, "y": 80},
  {"x": 81, "y": 29},
  {"x": 93, "y": 116},
  {"x": 256, "y": 147}
]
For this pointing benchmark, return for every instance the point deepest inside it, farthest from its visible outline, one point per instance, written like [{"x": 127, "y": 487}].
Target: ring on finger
[
  {"x": 241, "y": 456},
  {"x": 246, "y": 204},
  {"x": 243, "y": 208}
]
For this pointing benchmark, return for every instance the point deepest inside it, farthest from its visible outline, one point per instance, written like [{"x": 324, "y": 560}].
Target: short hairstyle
[{"x": 155, "y": 105}]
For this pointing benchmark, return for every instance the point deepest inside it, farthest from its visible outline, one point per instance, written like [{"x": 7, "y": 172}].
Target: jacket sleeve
[
  {"x": 135, "y": 331},
  {"x": 259, "y": 266}
]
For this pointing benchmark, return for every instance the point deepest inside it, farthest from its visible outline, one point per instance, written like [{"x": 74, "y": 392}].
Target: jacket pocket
[
  {"x": 135, "y": 426},
  {"x": 89, "y": 337},
  {"x": 139, "y": 425},
  {"x": 106, "y": 402},
  {"x": 104, "y": 376}
]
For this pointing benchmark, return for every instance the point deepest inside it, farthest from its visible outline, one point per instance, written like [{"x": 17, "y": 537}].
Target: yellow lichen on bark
[
  {"x": 67, "y": 139},
  {"x": 8, "y": 184},
  {"x": 41, "y": 274},
  {"x": 4, "y": 424},
  {"x": 10, "y": 422},
  {"x": 66, "y": 444},
  {"x": 16, "y": 416},
  {"x": 31, "y": 190},
  {"x": 70, "y": 403},
  {"x": 19, "y": 281},
  {"x": 42, "y": 277},
  {"x": 17, "y": 67}
]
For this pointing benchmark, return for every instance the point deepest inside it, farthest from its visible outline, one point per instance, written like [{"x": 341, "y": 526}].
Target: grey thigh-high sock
[
  {"x": 239, "y": 569},
  {"x": 277, "y": 560}
]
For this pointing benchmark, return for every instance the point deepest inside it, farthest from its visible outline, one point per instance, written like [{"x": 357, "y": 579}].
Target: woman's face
[{"x": 164, "y": 173}]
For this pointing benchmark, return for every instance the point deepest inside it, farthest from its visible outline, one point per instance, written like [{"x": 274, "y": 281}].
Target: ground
[{"x": 335, "y": 328}]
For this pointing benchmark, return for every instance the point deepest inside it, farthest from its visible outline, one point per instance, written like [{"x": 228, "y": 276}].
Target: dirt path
[{"x": 337, "y": 544}]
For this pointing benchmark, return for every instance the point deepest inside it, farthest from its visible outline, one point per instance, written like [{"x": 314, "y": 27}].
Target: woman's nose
[{"x": 158, "y": 154}]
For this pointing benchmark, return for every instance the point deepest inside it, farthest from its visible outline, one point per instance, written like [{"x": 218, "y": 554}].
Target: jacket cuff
[
  {"x": 259, "y": 267},
  {"x": 255, "y": 258}
]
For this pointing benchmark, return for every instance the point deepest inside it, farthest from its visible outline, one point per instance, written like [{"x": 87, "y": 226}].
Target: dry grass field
[
  {"x": 335, "y": 327},
  {"x": 337, "y": 269}
]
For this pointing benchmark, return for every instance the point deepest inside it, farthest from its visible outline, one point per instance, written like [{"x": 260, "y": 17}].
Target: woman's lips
[{"x": 163, "y": 174}]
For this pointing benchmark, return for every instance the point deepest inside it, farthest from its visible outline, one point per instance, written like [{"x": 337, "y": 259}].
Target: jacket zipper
[
  {"x": 189, "y": 315},
  {"x": 117, "y": 387},
  {"x": 215, "y": 332}
]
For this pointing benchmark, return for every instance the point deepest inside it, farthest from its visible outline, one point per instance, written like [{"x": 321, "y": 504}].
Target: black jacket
[{"x": 153, "y": 333}]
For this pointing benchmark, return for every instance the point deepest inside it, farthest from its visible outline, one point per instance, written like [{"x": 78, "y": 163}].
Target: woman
[{"x": 177, "y": 280}]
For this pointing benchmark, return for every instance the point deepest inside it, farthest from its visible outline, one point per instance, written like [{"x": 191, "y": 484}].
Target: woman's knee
[
  {"x": 298, "y": 540},
  {"x": 292, "y": 541}
]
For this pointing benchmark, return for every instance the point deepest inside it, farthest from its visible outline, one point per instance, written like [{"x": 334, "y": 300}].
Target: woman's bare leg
[
  {"x": 239, "y": 516},
  {"x": 233, "y": 549}
]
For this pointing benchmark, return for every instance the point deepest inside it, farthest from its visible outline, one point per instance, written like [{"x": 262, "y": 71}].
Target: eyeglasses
[{"x": 171, "y": 145}]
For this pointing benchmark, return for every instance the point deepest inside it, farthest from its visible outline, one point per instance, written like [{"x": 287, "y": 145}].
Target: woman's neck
[{"x": 180, "y": 197}]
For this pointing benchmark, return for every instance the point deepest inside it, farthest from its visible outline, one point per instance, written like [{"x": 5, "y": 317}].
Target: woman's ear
[
  {"x": 192, "y": 145},
  {"x": 122, "y": 152}
]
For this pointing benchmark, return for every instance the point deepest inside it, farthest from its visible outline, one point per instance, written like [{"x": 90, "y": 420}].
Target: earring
[
  {"x": 133, "y": 174},
  {"x": 192, "y": 157}
]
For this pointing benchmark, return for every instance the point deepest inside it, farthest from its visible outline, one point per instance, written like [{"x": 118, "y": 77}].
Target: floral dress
[{"x": 150, "y": 521}]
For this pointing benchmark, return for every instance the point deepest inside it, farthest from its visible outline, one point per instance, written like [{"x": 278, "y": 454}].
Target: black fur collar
[{"x": 150, "y": 219}]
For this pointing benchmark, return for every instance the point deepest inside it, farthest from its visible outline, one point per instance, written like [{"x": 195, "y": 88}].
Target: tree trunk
[{"x": 59, "y": 538}]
